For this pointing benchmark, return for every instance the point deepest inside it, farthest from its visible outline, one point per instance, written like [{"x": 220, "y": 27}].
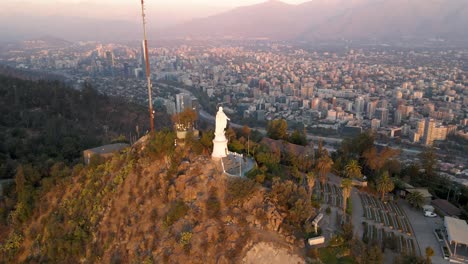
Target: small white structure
[
  {"x": 220, "y": 149},
  {"x": 316, "y": 221},
  {"x": 316, "y": 240},
  {"x": 457, "y": 231}
]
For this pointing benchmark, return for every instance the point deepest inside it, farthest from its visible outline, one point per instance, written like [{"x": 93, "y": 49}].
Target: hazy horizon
[
  {"x": 123, "y": 9},
  {"x": 111, "y": 20},
  {"x": 23, "y": 19}
]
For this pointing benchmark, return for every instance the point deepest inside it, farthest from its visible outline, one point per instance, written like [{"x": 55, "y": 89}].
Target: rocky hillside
[{"x": 155, "y": 203}]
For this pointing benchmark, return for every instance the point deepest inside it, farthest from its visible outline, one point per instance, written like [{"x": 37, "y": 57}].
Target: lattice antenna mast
[{"x": 148, "y": 72}]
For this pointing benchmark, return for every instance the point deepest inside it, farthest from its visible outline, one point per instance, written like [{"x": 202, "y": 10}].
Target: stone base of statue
[{"x": 219, "y": 147}]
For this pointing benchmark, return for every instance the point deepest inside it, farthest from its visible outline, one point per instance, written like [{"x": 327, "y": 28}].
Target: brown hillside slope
[{"x": 138, "y": 208}]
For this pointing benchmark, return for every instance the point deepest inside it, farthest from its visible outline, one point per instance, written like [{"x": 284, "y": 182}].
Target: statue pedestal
[{"x": 219, "y": 148}]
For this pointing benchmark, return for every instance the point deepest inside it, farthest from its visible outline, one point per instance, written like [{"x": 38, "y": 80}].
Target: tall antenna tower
[{"x": 148, "y": 73}]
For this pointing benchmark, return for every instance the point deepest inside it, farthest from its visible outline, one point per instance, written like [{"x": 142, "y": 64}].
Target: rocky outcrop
[{"x": 271, "y": 254}]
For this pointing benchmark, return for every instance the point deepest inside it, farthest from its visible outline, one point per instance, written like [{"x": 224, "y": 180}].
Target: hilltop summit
[{"x": 155, "y": 204}]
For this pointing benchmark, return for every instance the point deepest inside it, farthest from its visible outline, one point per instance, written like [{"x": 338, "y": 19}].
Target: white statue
[
  {"x": 220, "y": 148},
  {"x": 221, "y": 122}
]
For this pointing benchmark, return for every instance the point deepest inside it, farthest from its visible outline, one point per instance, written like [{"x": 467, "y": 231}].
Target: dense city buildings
[{"x": 409, "y": 97}]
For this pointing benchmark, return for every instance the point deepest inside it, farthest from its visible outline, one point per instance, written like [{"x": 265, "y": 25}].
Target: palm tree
[
  {"x": 353, "y": 170},
  {"x": 346, "y": 186},
  {"x": 310, "y": 183},
  {"x": 429, "y": 254},
  {"x": 324, "y": 166},
  {"x": 385, "y": 184},
  {"x": 416, "y": 199}
]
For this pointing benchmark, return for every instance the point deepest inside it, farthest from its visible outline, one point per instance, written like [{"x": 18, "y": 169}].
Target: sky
[
  {"x": 123, "y": 9},
  {"x": 27, "y": 18},
  {"x": 229, "y": 3}
]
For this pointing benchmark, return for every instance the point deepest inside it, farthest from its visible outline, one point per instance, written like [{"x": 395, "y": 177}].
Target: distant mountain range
[
  {"x": 335, "y": 19},
  {"x": 313, "y": 21},
  {"x": 45, "y": 41}
]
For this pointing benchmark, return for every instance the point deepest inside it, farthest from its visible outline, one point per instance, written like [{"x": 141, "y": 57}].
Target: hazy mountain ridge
[
  {"x": 328, "y": 20},
  {"x": 315, "y": 20}
]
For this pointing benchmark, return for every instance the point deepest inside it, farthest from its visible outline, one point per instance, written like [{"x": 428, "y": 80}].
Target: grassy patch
[
  {"x": 177, "y": 211},
  {"x": 329, "y": 256},
  {"x": 239, "y": 189}
]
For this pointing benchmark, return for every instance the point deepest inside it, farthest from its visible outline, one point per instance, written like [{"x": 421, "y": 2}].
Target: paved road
[
  {"x": 423, "y": 228},
  {"x": 358, "y": 214}
]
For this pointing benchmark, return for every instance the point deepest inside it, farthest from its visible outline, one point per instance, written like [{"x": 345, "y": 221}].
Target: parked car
[{"x": 430, "y": 214}]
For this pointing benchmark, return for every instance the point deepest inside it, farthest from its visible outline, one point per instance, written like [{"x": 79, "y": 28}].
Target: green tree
[
  {"x": 409, "y": 259},
  {"x": 310, "y": 183},
  {"x": 268, "y": 157},
  {"x": 429, "y": 254},
  {"x": 377, "y": 160},
  {"x": 385, "y": 184},
  {"x": 207, "y": 141},
  {"x": 236, "y": 146},
  {"x": 346, "y": 186},
  {"x": 353, "y": 169},
  {"x": 278, "y": 129},
  {"x": 230, "y": 134},
  {"x": 374, "y": 255},
  {"x": 358, "y": 250},
  {"x": 355, "y": 147},
  {"x": 246, "y": 131},
  {"x": 60, "y": 170},
  {"x": 24, "y": 178},
  {"x": 429, "y": 162},
  {"x": 20, "y": 179},
  {"x": 293, "y": 200},
  {"x": 416, "y": 199},
  {"x": 161, "y": 144},
  {"x": 323, "y": 167},
  {"x": 298, "y": 138},
  {"x": 185, "y": 119}
]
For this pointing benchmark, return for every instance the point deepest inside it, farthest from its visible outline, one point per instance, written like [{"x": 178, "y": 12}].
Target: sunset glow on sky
[{"x": 124, "y": 9}]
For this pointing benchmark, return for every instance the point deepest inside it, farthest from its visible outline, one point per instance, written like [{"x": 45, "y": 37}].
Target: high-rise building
[
  {"x": 331, "y": 115},
  {"x": 359, "y": 105},
  {"x": 428, "y": 108},
  {"x": 397, "y": 117},
  {"x": 371, "y": 106},
  {"x": 433, "y": 132},
  {"x": 307, "y": 90},
  {"x": 183, "y": 101},
  {"x": 406, "y": 129},
  {"x": 398, "y": 94},
  {"x": 384, "y": 103},
  {"x": 170, "y": 107},
  {"x": 429, "y": 128},
  {"x": 316, "y": 103},
  {"x": 421, "y": 126},
  {"x": 382, "y": 115},
  {"x": 349, "y": 106},
  {"x": 375, "y": 124},
  {"x": 440, "y": 133}
]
